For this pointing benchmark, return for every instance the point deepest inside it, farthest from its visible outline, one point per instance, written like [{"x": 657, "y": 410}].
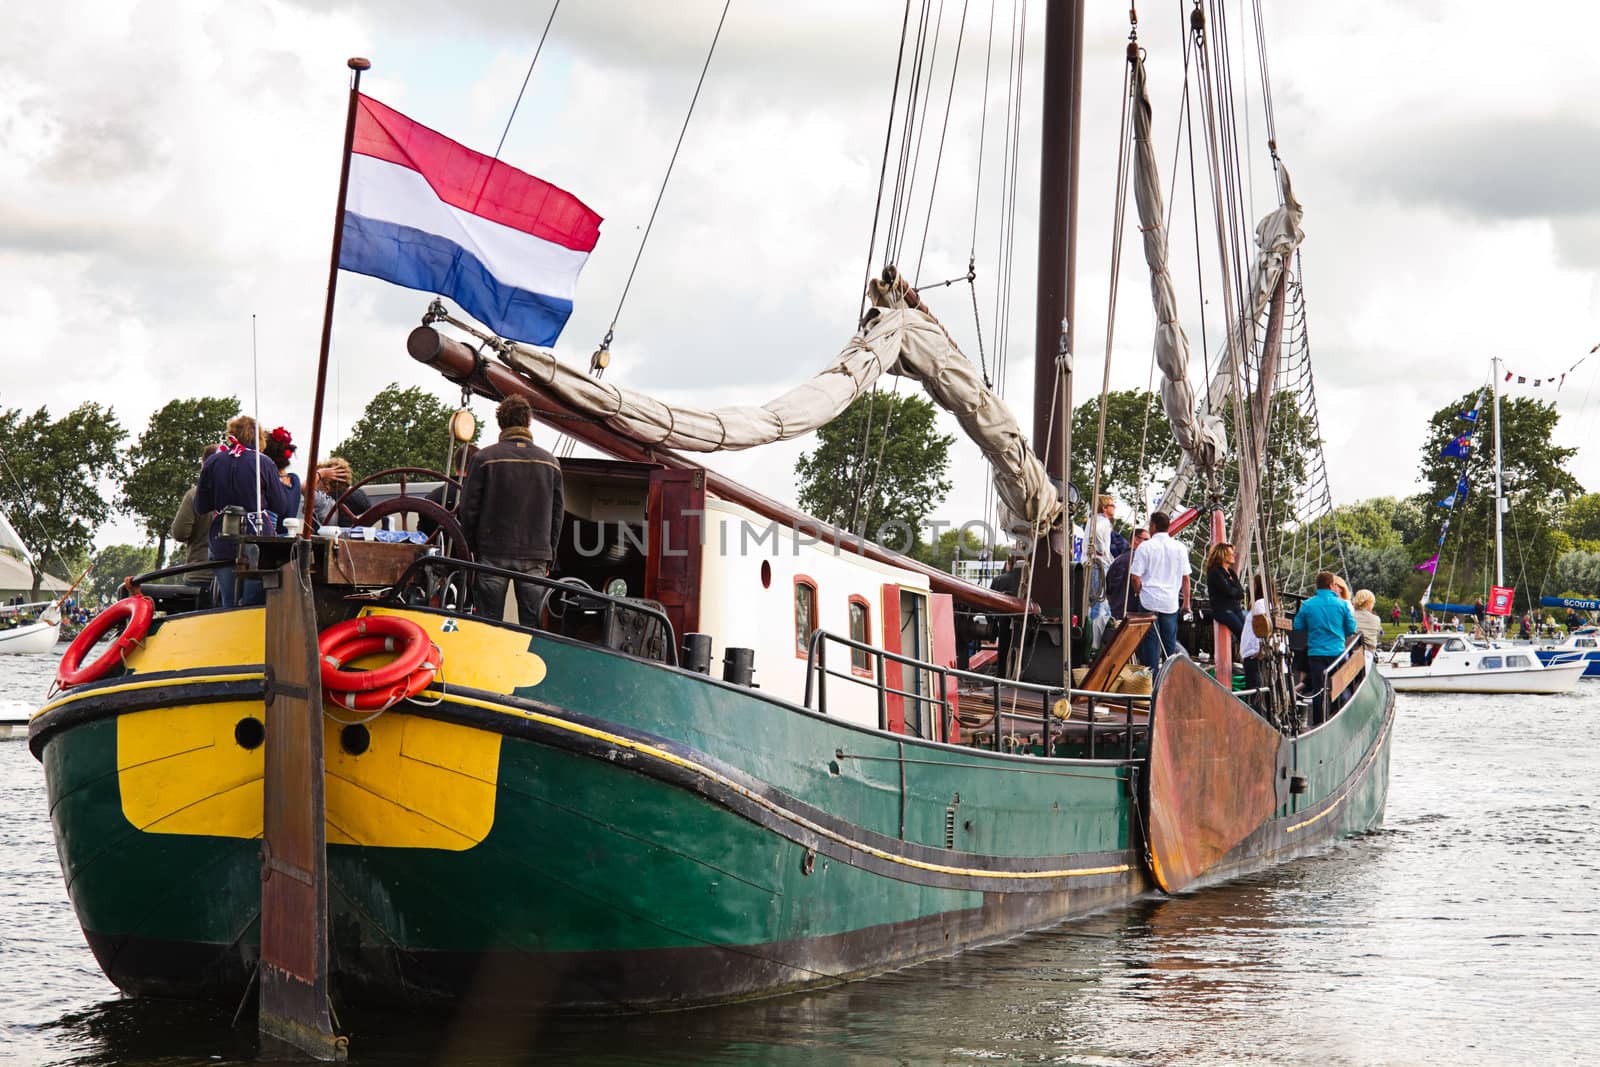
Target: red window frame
[
  {"x": 802, "y": 642},
  {"x": 865, "y": 670}
]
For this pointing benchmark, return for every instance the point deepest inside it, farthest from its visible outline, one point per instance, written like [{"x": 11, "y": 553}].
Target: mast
[
  {"x": 1058, "y": 254},
  {"x": 1499, "y": 501}
]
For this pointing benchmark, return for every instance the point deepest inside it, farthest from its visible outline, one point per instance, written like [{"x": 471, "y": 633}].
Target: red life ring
[
  {"x": 135, "y": 611},
  {"x": 379, "y": 699},
  {"x": 371, "y": 633}
]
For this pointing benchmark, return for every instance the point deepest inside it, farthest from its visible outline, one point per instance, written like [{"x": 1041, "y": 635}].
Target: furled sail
[
  {"x": 1201, "y": 436},
  {"x": 1278, "y": 234},
  {"x": 899, "y": 337}
]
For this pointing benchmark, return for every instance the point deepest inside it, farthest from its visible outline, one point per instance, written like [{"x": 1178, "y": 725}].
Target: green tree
[
  {"x": 960, "y": 543},
  {"x": 56, "y": 470},
  {"x": 407, "y": 427},
  {"x": 164, "y": 463},
  {"x": 1581, "y": 518},
  {"x": 111, "y": 565},
  {"x": 842, "y": 477},
  {"x": 1140, "y": 454},
  {"x": 1536, "y": 483}
]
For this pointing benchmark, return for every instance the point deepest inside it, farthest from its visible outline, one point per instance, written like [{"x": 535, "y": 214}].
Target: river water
[{"x": 1467, "y": 931}]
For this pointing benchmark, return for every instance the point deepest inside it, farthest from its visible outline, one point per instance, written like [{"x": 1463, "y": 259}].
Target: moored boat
[
  {"x": 1582, "y": 644},
  {"x": 1450, "y": 663}
]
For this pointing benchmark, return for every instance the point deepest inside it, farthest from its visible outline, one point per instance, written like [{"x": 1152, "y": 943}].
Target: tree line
[{"x": 64, "y": 477}]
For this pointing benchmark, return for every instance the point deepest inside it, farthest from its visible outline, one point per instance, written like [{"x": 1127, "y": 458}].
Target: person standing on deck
[
  {"x": 1367, "y": 621},
  {"x": 237, "y": 476},
  {"x": 1328, "y": 624},
  {"x": 1118, "y": 596},
  {"x": 512, "y": 512},
  {"x": 1159, "y": 577}
]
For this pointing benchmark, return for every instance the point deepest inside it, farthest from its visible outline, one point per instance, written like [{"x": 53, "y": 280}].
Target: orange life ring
[
  {"x": 135, "y": 611},
  {"x": 371, "y": 633}
]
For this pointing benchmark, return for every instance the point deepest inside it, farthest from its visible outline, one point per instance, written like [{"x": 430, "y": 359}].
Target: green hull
[{"x": 658, "y": 839}]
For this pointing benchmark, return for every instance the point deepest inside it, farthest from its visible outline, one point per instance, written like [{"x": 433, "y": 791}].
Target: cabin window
[
  {"x": 1585, "y": 642},
  {"x": 1455, "y": 646},
  {"x": 860, "y": 630},
  {"x": 1516, "y": 661},
  {"x": 805, "y": 615},
  {"x": 1490, "y": 663}
]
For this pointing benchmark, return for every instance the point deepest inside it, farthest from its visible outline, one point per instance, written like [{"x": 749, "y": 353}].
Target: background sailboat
[{"x": 40, "y": 634}]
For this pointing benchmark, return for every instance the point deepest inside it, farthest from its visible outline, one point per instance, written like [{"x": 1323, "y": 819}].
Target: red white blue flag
[{"x": 427, "y": 213}]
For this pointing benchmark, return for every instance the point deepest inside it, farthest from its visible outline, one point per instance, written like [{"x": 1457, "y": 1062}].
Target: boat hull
[
  {"x": 35, "y": 638},
  {"x": 1551, "y": 680},
  {"x": 678, "y": 841},
  {"x": 1591, "y": 660}
]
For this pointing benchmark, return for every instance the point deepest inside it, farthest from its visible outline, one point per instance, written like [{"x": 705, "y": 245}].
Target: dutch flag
[{"x": 425, "y": 212}]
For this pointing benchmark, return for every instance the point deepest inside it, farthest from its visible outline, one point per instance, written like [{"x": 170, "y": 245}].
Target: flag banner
[
  {"x": 1448, "y": 502},
  {"x": 427, "y": 213},
  {"x": 1470, "y": 416},
  {"x": 1575, "y": 602},
  {"x": 1461, "y": 488},
  {"x": 1428, "y": 565},
  {"x": 1500, "y": 600},
  {"x": 1522, "y": 380},
  {"x": 1459, "y": 448}
]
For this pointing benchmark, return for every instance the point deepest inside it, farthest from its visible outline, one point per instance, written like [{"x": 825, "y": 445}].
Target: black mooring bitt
[{"x": 294, "y": 847}]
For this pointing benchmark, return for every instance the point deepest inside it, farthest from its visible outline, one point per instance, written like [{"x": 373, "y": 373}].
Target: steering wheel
[{"x": 453, "y": 540}]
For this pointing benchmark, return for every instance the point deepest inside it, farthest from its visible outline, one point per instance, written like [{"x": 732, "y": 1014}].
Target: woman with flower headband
[{"x": 279, "y": 447}]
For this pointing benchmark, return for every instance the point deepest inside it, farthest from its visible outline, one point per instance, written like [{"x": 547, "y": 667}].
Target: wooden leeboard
[
  {"x": 1213, "y": 764},
  {"x": 294, "y": 851}
]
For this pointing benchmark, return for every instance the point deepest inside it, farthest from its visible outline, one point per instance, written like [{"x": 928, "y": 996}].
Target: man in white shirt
[{"x": 1159, "y": 575}]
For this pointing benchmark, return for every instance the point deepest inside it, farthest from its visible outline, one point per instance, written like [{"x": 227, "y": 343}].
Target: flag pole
[{"x": 357, "y": 64}]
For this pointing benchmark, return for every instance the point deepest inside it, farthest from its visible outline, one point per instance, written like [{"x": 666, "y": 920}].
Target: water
[{"x": 1465, "y": 932}]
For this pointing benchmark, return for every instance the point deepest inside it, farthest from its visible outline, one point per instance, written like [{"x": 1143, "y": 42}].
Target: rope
[
  {"x": 944, "y": 128},
  {"x": 883, "y": 168},
  {"x": 518, "y": 102},
  {"x": 605, "y": 344}
]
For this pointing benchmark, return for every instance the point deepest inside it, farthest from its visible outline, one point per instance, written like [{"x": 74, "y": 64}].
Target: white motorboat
[{"x": 1450, "y": 663}]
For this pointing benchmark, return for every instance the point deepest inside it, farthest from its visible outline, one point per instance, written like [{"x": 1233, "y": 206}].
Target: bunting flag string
[{"x": 1543, "y": 381}]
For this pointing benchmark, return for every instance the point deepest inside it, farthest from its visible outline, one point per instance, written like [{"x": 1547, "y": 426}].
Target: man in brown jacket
[{"x": 511, "y": 512}]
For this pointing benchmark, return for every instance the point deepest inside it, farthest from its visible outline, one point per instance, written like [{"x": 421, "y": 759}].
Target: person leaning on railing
[{"x": 1328, "y": 624}]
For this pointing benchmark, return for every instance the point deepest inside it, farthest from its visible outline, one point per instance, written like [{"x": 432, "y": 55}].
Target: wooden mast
[{"x": 1054, "y": 310}]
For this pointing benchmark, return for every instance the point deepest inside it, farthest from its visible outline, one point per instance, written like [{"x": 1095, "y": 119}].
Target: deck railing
[{"x": 948, "y": 680}]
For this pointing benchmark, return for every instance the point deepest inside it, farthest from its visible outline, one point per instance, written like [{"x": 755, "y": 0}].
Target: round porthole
[
  {"x": 355, "y": 739},
  {"x": 766, "y": 575},
  {"x": 249, "y": 732}
]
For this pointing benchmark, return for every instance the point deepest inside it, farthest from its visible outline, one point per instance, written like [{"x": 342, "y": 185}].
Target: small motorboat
[
  {"x": 1581, "y": 644},
  {"x": 1452, "y": 663}
]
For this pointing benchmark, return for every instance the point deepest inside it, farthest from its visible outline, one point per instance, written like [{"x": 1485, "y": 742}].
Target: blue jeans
[
  {"x": 250, "y": 591},
  {"x": 1160, "y": 641}
]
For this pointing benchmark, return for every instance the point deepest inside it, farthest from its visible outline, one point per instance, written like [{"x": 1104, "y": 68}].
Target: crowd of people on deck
[
  {"x": 248, "y": 477},
  {"x": 1151, "y": 575},
  {"x": 511, "y": 508}
]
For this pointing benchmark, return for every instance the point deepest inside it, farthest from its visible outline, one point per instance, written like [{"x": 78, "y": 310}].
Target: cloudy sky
[{"x": 170, "y": 169}]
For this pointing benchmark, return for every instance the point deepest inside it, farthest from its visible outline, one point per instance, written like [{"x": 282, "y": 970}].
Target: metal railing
[
  {"x": 818, "y": 672},
  {"x": 1333, "y": 702},
  {"x": 570, "y": 596}
]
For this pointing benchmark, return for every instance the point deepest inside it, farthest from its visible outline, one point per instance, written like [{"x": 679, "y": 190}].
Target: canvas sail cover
[
  {"x": 1201, "y": 436},
  {"x": 897, "y": 338}
]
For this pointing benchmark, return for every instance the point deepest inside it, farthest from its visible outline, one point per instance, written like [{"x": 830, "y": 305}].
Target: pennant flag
[
  {"x": 1458, "y": 448},
  {"x": 1522, "y": 379},
  {"x": 1448, "y": 502},
  {"x": 1561, "y": 382},
  {"x": 1461, "y": 488},
  {"x": 1536, "y": 382},
  {"x": 1428, "y": 565},
  {"x": 428, "y": 213},
  {"x": 1508, "y": 376},
  {"x": 1500, "y": 600},
  {"x": 1470, "y": 416}
]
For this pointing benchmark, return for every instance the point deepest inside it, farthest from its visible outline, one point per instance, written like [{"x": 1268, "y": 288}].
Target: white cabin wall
[{"x": 737, "y": 610}]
